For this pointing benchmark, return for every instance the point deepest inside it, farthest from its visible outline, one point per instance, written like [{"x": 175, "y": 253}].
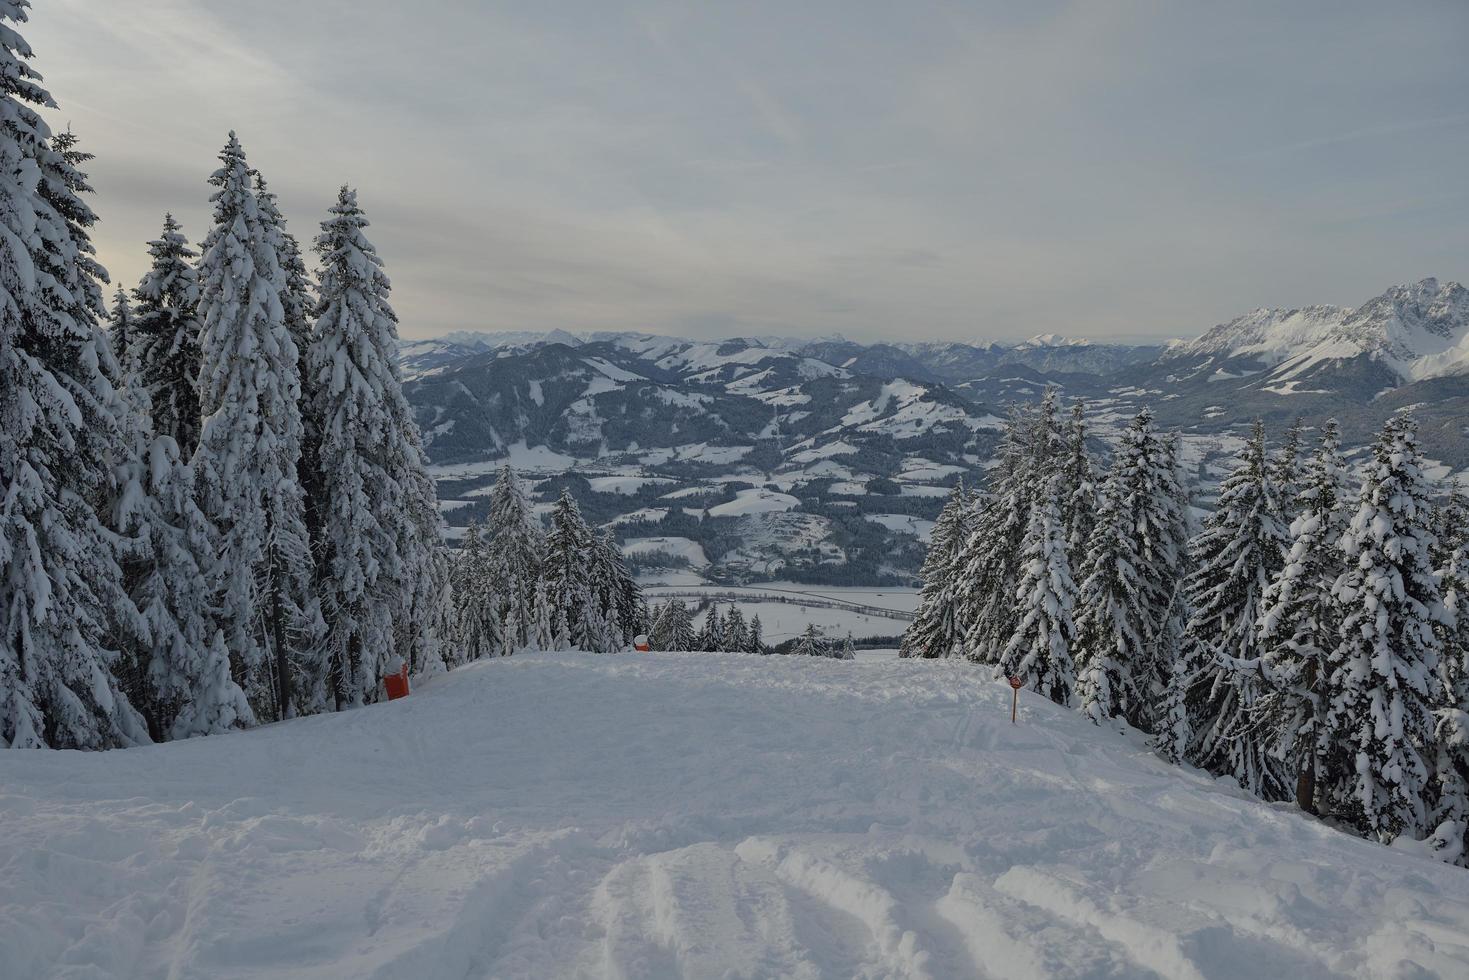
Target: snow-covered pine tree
[
  {"x": 514, "y": 548},
  {"x": 619, "y": 595},
  {"x": 372, "y": 553},
  {"x": 1039, "y": 651},
  {"x": 674, "y": 628},
  {"x": 757, "y": 636},
  {"x": 121, "y": 331},
  {"x": 1449, "y": 790},
  {"x": 989, "y": 565},
  {"x": 736, "y": 637},
  {"x": 1299, "y": 624},
  {"x": 298, "y": 314},
  {"x": 511, "y": 633},
  {"x": 682, "y": 631},
  {"x": 297, "y": 309},
  {"x": 543, "y": 628},
  {"x": 936, "y": 630},
  {"x": 1235, "y": 558},
  {"x": 82, "y": 275},
  {"x": 812, "y": 643},
  {"x": 61, "y": 588},
  {"x": 658, "y": 626},
  {"x": 1150, "y": 498},
  {"x": 710, "y": 638},
  {"x": 249, "y": 447},
  {"x": 848, "y": 649},
  {"x": 568, "y": 551},
  {"x": 561, "y": 633},
  {"x": 1112, "y": 624},
  {"x": 180, "y": 668},
  {"x": 1078, "y": 487},
  {"x": 472, "y": 616},
  {"x": 1285, "y": 471},
  {"x": 1379, "y": 720},
  {"x": 422, "y": 636},
  {"x": 166, "y": 328}
]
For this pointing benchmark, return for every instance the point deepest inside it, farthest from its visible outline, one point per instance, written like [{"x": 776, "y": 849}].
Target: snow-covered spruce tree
[
  {"x": 166, "y": 334},
  {"x": 1449, "y": 789},
  {"x": 423, "y": 635},
  {"x": 372, "y": 554},
  {"x": 511, "y": 633},
  {"x": 936, "y": 630},
  {"x": 1285, "y": 471},
  {"x": 568, "y": 550},
  {"x": 1124, "y": 597},
  {"x": 246, "y": 461},
  {"x": 61, "y": 588},
  {"x": 812, "y": 643},
  {"x": 298, "y": 314},
  {"x": 736, "y": 636},
  {"x": 673, "y": 628},
  {"x": 182, "y": 682},
  {"x": 81, "y": 275},
  {"x": 1078, "y": 487},
  {"x": 757, "y": 636},
  {"x": 1031, "y": 451},
  {"x": 1379, "y": 721},
  {"x": 1299, "y": 624},
  {"x": 121, "y": 334},
  {"x": 848, "y": 649},
  {"x": 1039, "y": 651},
  {"x": 711, "y": 635},
  {"x": 1235, "y": 558},
  {"x": 657, "y": 628},
  {"x": 542, "y": 634},
  {"x": 619, "y": 597},
  {"x": 514, "y": 550},
  {"x": 469, "y": 631}
]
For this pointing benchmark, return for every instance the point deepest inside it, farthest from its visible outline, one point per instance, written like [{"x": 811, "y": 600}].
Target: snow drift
[{"x": 699, "y": 815}]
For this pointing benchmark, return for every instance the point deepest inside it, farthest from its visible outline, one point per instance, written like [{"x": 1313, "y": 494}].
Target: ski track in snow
[{"x": 691, "y": 815}]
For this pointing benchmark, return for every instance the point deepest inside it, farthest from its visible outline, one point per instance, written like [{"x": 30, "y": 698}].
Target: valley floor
[{"x": 691, "y": 815}]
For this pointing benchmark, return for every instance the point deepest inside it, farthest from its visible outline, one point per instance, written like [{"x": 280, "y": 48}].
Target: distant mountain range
[{"x": 848, "y": 447}]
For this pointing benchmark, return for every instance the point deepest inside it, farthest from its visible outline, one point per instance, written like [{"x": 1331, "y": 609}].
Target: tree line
[
  {"x": 1309, "y": 640},
  {"x": 216, "y": 510},
  {"x": 519, "y": 587}
]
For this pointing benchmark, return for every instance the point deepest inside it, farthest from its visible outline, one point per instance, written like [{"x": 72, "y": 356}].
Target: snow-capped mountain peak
[
  {"x": 1053, "y": 340},
  {"x": 1419, "y": 330}
]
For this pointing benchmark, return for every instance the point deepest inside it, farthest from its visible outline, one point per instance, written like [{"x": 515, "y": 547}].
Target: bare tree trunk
[
  {"x": 282, "y": 655},
  {"x": 1306, "y": 785}
]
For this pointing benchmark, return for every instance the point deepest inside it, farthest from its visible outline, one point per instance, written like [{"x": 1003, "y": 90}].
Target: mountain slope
[
  {"x": 701, "y": 815},
  {"x": 1416, "y": 331}
]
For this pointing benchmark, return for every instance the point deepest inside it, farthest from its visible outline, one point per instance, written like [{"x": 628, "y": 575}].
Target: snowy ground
[{"x": 677, "y": 815}]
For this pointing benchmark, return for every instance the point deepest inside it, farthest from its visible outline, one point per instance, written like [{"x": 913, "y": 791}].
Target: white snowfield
[{"x": 691, "y": 815}]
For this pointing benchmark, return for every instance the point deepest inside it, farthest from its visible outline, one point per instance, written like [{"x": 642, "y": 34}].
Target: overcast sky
[{"x": 893, "y": 169}]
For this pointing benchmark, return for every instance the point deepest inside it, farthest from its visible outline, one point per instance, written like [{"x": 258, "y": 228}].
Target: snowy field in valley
[{"x": 677, "y": 815}]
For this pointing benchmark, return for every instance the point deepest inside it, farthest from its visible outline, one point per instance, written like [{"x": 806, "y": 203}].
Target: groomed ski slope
[{"x": 691, "y": 815}]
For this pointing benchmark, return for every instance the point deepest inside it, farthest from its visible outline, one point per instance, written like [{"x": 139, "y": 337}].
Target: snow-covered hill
[{"x": 698, "y": 815}]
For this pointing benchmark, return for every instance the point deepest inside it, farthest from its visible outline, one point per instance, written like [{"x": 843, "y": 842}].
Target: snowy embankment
[{"x": 701, "y": 815}]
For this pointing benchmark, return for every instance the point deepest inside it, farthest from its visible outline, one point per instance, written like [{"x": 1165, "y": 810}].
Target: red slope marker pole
[{"x": 1015, "y": 683}]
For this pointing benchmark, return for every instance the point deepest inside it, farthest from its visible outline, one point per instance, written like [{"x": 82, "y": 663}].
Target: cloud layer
[{"x": 926, "y": 169}]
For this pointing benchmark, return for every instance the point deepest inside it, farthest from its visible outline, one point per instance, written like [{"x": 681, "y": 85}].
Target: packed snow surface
[{"x": 691, "y": 815}]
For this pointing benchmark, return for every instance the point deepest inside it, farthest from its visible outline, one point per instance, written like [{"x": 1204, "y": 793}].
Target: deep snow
[{"x": 699, "y": 815}]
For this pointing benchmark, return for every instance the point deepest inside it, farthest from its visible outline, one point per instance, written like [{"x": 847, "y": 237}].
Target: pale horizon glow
[{"x": 930, "y": 170}]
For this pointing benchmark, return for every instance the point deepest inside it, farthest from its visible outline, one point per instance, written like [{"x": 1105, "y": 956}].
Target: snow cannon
[
  {"x": 640, "y": 643},
  {"x": 396, "y": 679}
]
